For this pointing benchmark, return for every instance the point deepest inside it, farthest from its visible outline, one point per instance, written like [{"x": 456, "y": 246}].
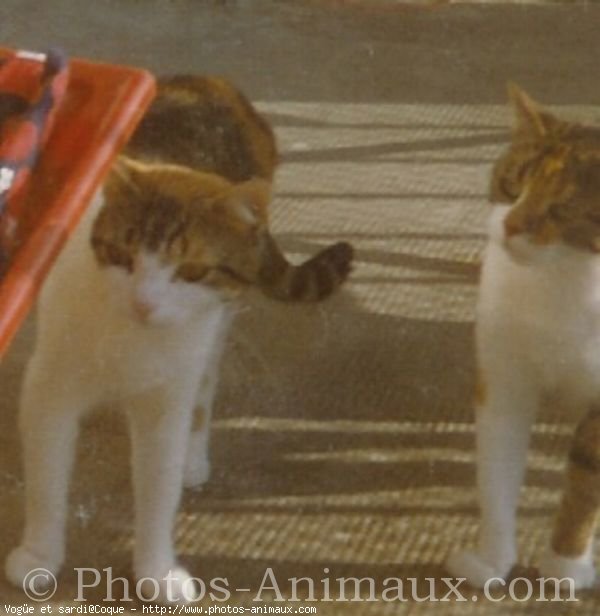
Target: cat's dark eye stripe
[{"x": 113, "y": 254}]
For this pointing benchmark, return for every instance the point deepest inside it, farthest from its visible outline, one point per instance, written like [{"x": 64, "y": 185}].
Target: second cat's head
[
  {"x": 550, "y": 179},
  {"x": 172, "y": 240}
]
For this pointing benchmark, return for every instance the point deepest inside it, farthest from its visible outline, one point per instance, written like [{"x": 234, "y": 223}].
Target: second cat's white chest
[{"x": 544, "y": 314}]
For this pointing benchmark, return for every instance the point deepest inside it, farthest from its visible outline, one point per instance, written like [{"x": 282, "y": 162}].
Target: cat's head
[
  {"x": 550, "y": 178},
  {"x": 172, "y": 240}
]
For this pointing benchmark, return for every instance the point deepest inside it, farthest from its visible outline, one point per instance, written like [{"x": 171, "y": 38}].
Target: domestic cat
[
  {"x": 136, "y": 310},
  {"x": 538, "y": 337}
]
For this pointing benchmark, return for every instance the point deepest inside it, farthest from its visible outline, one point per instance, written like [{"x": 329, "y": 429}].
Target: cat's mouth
[{"x": 521, "y": 247}]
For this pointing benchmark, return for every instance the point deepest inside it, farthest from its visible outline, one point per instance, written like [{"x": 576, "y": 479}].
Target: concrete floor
[{"x": 343, "y": 438}]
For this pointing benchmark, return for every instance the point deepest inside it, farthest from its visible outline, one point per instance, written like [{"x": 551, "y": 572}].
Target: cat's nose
[{"x": 142, "y": 309}]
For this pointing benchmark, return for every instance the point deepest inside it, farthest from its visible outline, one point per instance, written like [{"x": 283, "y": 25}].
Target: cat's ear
[
  {"x": 249, "y": 202},
  {"x": 126, "y": 178},
  {"x": 531, "y": 118}
]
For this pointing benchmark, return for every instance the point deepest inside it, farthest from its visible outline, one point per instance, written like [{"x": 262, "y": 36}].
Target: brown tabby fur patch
[
  {"x": 551, "y": 176},
  {"x": 204, "y": 225},
  {"x": 194, "y": 186},
  {"x": 205, "y": 123},
  {"x": 580, "y": 505}
]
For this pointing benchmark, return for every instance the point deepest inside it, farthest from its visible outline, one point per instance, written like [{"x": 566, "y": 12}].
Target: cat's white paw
[
  {"x": 197, "y": 466},
  {"x": 580, "y": 570},
  {"x": 25, "y": 567},
  {"x": 477, "y": 570},
  {"x": 175, "y": 586},
  {"x": 196, "y": 473}
]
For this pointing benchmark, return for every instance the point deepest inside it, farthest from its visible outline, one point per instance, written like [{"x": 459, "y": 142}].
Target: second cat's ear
[
  {"x": 531, "y": 118},
  {"x": 249, "y": 202}
]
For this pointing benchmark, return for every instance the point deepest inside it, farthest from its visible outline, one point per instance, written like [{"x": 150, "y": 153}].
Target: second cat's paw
[
  {"x": 197, "y": 463},
  {"x": 574, "y": 573},
  {"x": 175, "y": 586},
  {"x": 27, "y": 570},
  {"x": 197, "y": 472},
  {"x": 478, "y": 572}
]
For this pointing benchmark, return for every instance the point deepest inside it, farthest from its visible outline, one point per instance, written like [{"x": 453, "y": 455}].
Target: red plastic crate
[{"x": 102, "y": 107}]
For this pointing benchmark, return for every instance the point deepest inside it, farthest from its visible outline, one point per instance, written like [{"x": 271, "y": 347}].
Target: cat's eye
[
  {"x": 191, "y": 272},
  {"x": 231, "y": 273},
  {"x": 511, "y": 184}
]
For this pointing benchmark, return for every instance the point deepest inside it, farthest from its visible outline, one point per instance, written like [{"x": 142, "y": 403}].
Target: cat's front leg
[
  {"x": 570, "y": 557},
  {"x": 48, "y": 423},
  {"x": 197, "y": 461},
  {"x": 505, "y": 412},
  {"x": 160, "y": 423}
]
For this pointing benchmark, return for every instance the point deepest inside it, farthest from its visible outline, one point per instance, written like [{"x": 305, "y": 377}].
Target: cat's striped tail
[{"x": 313, "y": 280}]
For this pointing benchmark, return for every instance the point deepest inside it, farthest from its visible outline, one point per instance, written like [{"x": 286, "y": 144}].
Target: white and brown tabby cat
[
  {"x": 538, "y": 334},
  {"x": 136, "y": 310}
]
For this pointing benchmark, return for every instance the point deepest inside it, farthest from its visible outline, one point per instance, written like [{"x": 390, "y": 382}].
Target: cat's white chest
[
  {"x": 129, "y": 357},
  {"x": 545, "y": 313}
]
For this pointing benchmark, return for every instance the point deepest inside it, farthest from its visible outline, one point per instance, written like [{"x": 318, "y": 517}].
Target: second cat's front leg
[
  {"x": 197, "y": 463},
  {"x": 160, "y": 423},
  {"x": 571, "y": 555},
  {"x": 48, "y": 423},
  {"x": 505, "y": 412}
]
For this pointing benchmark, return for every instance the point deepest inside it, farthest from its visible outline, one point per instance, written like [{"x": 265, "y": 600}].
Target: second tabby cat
[
  {"x": 538, "y": 333},
  {"x": 136, "y": 311}
]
